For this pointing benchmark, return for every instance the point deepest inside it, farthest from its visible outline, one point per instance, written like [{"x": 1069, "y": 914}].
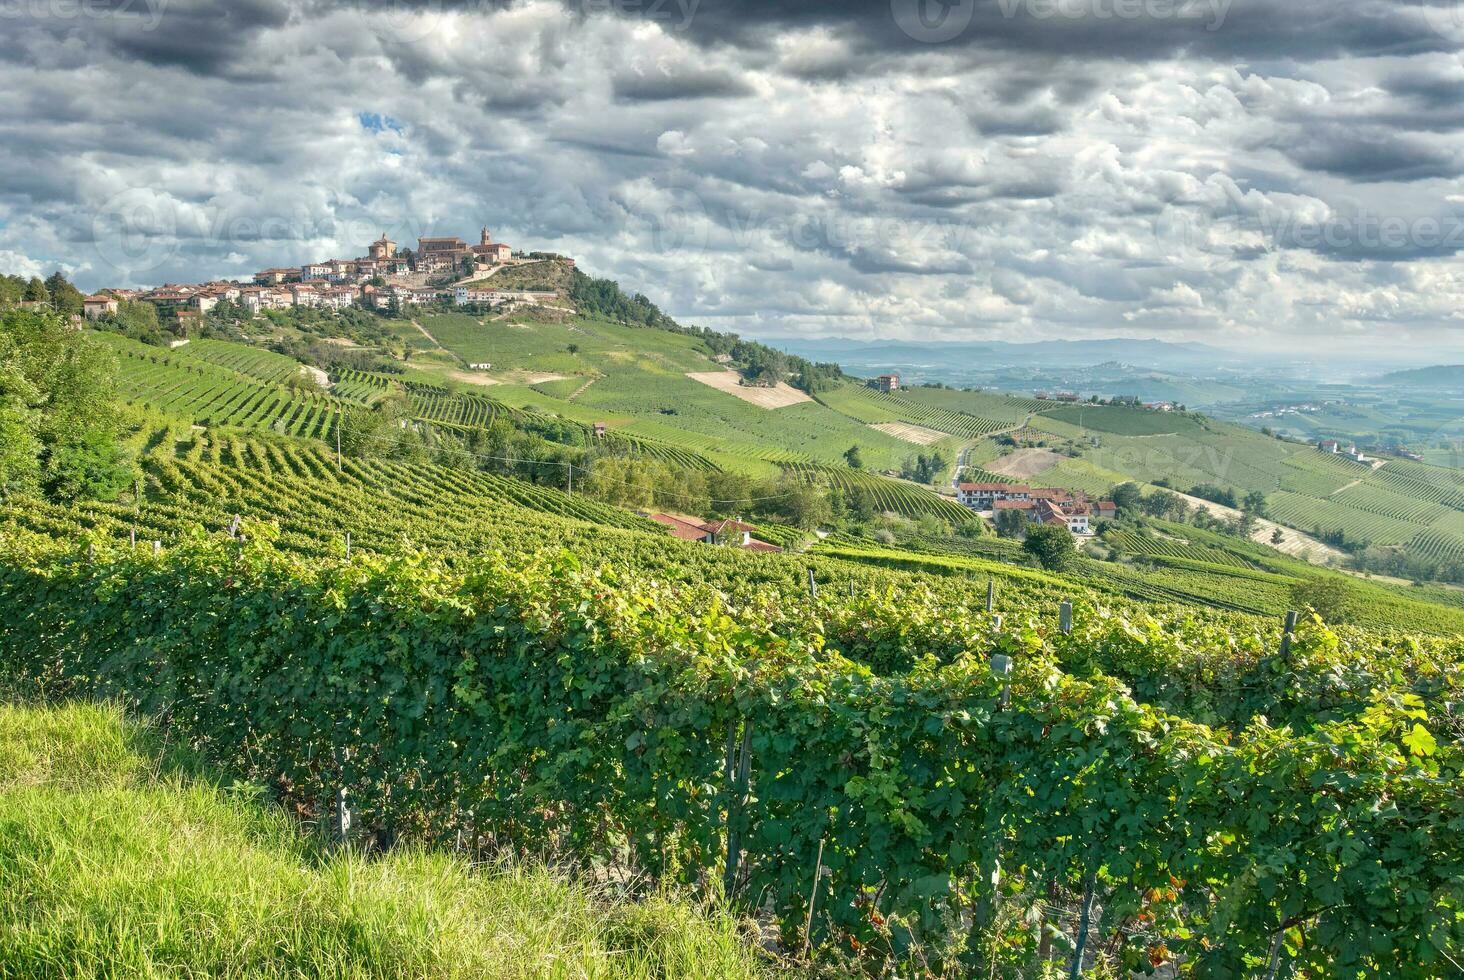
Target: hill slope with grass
[{"x": 119, "y": 856}]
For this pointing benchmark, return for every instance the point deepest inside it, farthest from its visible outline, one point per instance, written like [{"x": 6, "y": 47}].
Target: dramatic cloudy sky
[{"x": 1254, "y": 172}]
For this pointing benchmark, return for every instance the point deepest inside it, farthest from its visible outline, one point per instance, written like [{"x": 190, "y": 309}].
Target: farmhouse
[
  {"x": 985, "y": 496},
  {"x": 99, "y": 305},
  {"x": 1047, "y": 505},
  {"x": 885, "y": 383},
  {"x": 726, "y": 532}
]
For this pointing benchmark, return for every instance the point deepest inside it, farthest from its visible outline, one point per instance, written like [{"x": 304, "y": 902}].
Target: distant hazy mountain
[
  {"x": 939, "y": 355},
  {"x": 1441, "y": 376}
]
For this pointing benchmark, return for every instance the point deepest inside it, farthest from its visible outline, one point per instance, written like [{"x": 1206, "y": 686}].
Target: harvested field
[
  {"x": 780, "y": 396},
  {"x": 1025, "y": 463},
  {"x": 917, "y": 434},
  {"x": 473, "y": 378}
]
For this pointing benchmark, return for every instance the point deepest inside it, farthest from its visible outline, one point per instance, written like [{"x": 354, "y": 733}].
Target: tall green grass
[{"x": 119, "y": 859}]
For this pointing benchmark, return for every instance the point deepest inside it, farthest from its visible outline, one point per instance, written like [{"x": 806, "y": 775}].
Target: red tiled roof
[
  {"x": 998, "y": 487},
  {"x": 1014, "y": 505},
  {"x": 685, "y": 530},
  {"x": 756, "y": 545}
]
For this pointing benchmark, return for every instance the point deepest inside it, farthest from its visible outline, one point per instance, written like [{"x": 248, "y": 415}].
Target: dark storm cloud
[
  {"x": 1226, "y": 29},
  {"x": 1373, "y": 154}
]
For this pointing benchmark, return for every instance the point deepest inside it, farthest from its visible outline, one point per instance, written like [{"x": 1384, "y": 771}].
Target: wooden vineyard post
[
  {"x": 1044, "y": 945},
  {"x": 1001, "y": 666},
  {"x": 157, "y": 547},
  {"x": 569, "y": 477},
  {"x": 990, "y": 872},
  {"x": 738, "y": 770},
  {"x": 1286, "y": 632},
  {"x": 812, "y": 585},
  {"x": 813, "y": 899},
  {"x": 990, "y": 595},
  {"x": 343, "y": 810},
  {"x": 1085, "y": 920},
  {"x": 132, "y": 537},
  {"x": 338, "y": 441},
  {"x": 348, "y": 546}
]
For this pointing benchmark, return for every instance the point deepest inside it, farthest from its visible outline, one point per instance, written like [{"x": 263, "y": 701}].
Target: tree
[
  {"x": 66, "y": 298},
  {"x": 573, "y": 348},
  {"x": 1330, "y": 598},
  {"x": 139, "y": 321},
  {"x": 1126, "y": 496},
  {"x": 806, "y": 506},
  {"x": 854, "y": 458},
  {"x": 1052, "y": 545},
  {"x": 36, "y": 292},
  {"x": 58, "y": 429},
  {"x": 1277, "y": 537},
  {"x": 1010, "y": 523},
  {"x": 1254, "y": 503}
]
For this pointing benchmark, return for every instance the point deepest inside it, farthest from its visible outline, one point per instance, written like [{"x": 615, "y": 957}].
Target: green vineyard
[
  {"x": 1143, "y": 545},
  {"x": 209, "y": 395},
  {"x": 874, "y": 407},
  {"x": 890, "y": 495}
]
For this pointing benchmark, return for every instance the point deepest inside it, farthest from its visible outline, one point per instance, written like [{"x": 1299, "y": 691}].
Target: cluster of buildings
[
  {"x": 729, "y": 532},
  {"x": 1040, "y": 505},
  {"x": 1333, "y": 447},
  {"x": 1129, "y": 401},
  {"x": 339, "y": 283}
]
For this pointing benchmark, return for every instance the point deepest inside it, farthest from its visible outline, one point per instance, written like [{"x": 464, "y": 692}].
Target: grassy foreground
[{"x": 118, "y": 859}]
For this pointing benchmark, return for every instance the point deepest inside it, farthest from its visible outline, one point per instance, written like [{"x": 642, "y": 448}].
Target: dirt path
[
  {"x": 581, "y": 389},
  {"x": 435, "y": 342},
  {"x": 1295, "y": 543},
  {"x": 1340, "y": 489}
]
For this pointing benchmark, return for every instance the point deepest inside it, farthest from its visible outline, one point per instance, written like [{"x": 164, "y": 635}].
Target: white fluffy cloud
[{"x": 816, "y": 174}]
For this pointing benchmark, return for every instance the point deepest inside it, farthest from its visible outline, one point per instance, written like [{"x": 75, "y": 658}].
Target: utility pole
[
  {"x": 570, "y": 476},
  {"x": 338, "y": 442}
]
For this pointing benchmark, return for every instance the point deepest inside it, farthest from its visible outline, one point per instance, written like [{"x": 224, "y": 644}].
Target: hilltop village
[{"x": 439, "y": 270}]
